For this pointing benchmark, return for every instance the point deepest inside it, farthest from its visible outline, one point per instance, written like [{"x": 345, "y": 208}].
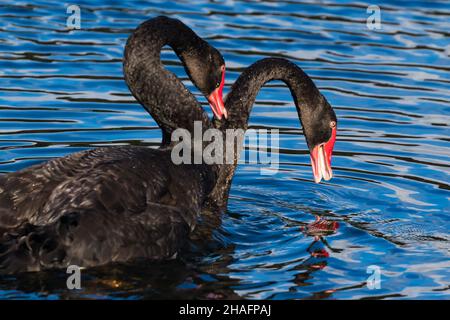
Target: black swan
[{"x": 116, "y": 204}]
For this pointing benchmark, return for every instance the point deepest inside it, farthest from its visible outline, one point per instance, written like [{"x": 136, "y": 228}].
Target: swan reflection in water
[{"x": 318, "y": 248}]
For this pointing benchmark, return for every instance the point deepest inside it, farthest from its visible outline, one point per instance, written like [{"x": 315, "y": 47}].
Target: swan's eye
[{"x": 332, "y": 124}]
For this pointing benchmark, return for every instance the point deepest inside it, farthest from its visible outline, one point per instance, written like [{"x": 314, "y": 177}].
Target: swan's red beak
[
  {"x": 215, "y": 100},
  {"x": 321, "y": 159}
]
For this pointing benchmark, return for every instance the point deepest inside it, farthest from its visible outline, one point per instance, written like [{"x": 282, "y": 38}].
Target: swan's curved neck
[
  {"x": 239, "y": 102},
  {"x": 242, "y": 96},
  {"x": 161, "y": 93}
]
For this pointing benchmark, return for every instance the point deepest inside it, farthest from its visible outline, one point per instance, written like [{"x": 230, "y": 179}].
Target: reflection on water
[{"x": 63, "y": 91}]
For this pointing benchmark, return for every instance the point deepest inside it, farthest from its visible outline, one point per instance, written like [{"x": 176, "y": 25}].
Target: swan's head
[
  {"x": 320, "y": 127},
  {"x": 206, "y": 69}
]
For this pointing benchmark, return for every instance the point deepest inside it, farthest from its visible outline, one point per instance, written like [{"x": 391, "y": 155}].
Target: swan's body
[
  {"x": 98, "y": 206},
  {"x": 121, "y": 203}
]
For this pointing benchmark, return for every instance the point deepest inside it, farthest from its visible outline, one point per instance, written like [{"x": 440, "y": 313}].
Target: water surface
[{"x": 63, "y": 91}]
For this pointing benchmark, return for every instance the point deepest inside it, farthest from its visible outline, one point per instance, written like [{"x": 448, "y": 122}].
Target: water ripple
[{"x": 62, "y": 91}]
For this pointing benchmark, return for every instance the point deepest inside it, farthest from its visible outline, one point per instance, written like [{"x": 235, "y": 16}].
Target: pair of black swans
[{"x": 116, "y": 204}]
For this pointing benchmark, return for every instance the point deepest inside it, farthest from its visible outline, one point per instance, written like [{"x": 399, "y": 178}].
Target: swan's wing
[{"x": 25, "y": 192}]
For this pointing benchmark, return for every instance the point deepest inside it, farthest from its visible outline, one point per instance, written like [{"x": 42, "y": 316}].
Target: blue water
[{"x": 63, "y": 91}]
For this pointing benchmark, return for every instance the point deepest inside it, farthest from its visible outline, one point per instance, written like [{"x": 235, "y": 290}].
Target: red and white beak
[
  {"x": 321, "y": 159},
  {"x": 215, "y": 100}
]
